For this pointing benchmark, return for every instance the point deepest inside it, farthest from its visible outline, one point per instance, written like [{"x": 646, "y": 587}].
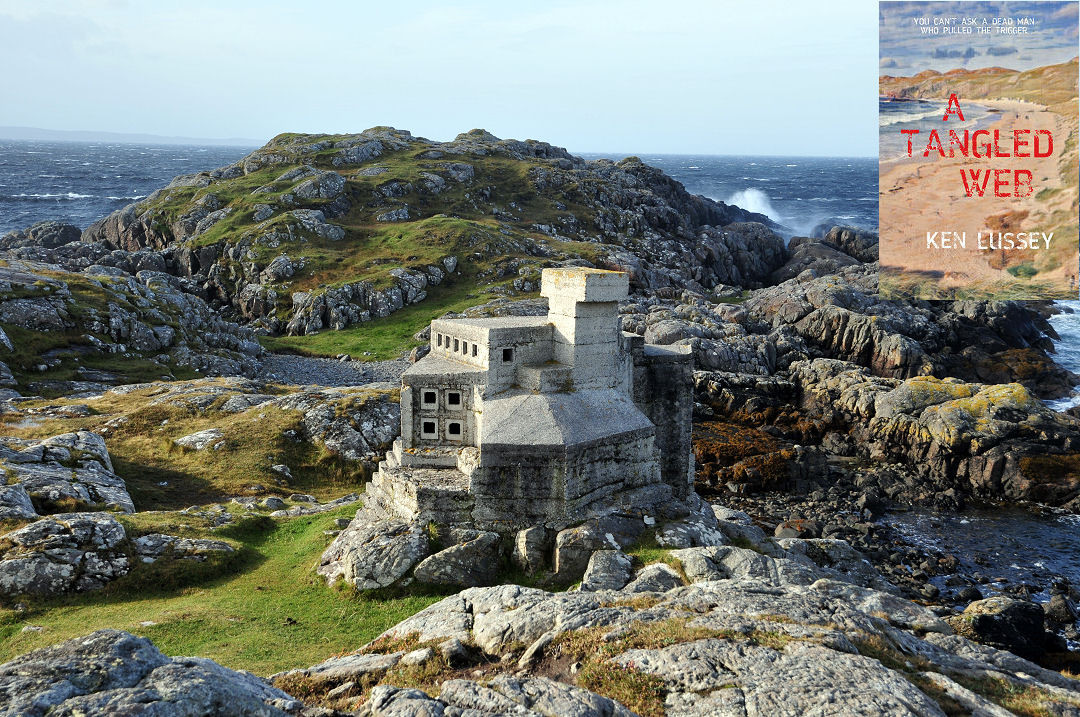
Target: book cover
[{"x": 978, "y": 150}]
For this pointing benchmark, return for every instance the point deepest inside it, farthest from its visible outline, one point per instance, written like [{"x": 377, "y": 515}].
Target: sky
[
  {"x": 680, "y": 76},
  {"x": 1050, "y": 37}
]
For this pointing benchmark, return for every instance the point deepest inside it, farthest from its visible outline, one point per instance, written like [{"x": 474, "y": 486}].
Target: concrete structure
[{"x": 520, "y": 421}]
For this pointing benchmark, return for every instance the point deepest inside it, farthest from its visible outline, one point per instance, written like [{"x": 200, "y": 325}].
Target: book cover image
[{"x": 977, "y": 110}]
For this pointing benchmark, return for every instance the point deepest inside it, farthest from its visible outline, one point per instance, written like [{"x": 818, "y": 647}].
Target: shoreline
[{"x": 926, "y": 194}]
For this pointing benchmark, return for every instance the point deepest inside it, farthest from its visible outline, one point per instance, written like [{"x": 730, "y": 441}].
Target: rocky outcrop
[
  {"x": 76, "y": 552},
  {"x": 718, "y": 645},
  {"x": 63, "y": 553},
  {"x": 115, "y": 672},
  {"x": 110, "y": 313},
  {"x": 218, "y": 235},
  {"x": 994, "y": 442},
  {"x": 61, "y": 473}
]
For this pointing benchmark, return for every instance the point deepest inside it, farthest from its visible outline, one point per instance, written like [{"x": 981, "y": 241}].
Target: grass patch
[
  {"x": 268, "y": 612},
  {"x": 386, "y": 338},
  {"x": 640, "y": 692}
]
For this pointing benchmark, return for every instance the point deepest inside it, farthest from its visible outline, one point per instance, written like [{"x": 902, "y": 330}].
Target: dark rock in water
[
  {"x": 1007, "y": 624},
  {"x": 47, "y": 235},
  {"x": 1060, "y": 610}
]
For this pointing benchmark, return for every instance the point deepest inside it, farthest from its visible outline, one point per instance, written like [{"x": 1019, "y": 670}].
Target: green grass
[
  {"x": 268, "y": 612},
  {"x": 385, "y": 338}
]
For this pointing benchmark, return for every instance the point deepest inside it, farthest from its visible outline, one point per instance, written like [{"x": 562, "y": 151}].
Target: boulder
[
  {"x": 153, "y": 546},
  {"x": 374, "y": 553},
  {"x": 115, "y": 672},
  {"x": 63, "y": 553},
  {"x": 469, "y": 564},
  {"x": 607, "y": 570},
  {"x": 1004, "y": 623},
  {"x": 201, "y": 440},
  {"x": 655, "y": 578}
]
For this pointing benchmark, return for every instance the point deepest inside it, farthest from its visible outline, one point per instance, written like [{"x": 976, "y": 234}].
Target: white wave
[
  {"x": 67, "y": 195},
  {"x": 884, "y": 120},
  {"x": 755, "y": 200},
  {"x": 137, "y": 196}
]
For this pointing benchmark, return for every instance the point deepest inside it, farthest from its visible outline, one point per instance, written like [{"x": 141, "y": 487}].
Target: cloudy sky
[
  {"x": 682, "y": 76},
  {"x": 905, "y": 50}
]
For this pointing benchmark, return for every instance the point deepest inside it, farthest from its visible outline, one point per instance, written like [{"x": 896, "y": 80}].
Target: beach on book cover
[{"x": 978, "y": 150}]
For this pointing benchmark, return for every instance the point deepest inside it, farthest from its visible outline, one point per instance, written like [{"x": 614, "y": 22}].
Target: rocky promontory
[{"x": 171, "y": 487}]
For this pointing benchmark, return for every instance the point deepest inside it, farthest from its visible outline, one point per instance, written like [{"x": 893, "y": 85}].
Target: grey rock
[
  {"x": 655, "y": 578},
  {"x": 63, "y": 553},
  {"x": 573, "y": 549},
  {"x": 469, "y": 564},
  {"x": 153, "y": 546},
  {"x": 114, "y": 672},
  {"x": 607, "y": 570},
  {"x": 530, "y": 546},
  {"x": 15, "y": 503},
  {"x": 394, "y": 215},
  {"x": 374, "y": 554},
  {"x": 200, "y": 440}
]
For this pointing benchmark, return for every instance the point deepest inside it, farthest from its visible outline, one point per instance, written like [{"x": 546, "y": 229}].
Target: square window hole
[
  {"x": 453, "y": 428},
  {"x": 474, "y": 350},
  {"x": 455, "y": 344},
  {"x": 453, "y": 398},
  {"x": 428, "y": 430},
  {"x": 508, "y": 355},
  {"x": 430, "y": 398}
]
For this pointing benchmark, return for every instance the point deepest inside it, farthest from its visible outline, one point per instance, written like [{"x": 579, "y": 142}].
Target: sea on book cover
[{"x": 977, "y": 117}]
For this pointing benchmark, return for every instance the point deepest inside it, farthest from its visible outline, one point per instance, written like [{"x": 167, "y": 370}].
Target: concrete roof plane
[{"x": 553, "y": 419}]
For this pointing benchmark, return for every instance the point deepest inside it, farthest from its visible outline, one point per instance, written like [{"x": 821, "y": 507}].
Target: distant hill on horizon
[
  {"x": 1051, "y": 85},
  {"x": 60, "y": 135}
]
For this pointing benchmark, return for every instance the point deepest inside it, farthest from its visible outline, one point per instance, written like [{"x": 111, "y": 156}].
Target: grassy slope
[
  {"x": 145, "y": 456},
  {"x": 455, "y": 221},
  {"x": 268, "y": 612},
  {"x": 87, "y": 296}
]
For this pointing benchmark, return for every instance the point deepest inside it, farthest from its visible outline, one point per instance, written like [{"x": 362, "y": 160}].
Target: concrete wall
[
  {"x": 526, "y": 485},
  {"x": 664, "y": 391}
]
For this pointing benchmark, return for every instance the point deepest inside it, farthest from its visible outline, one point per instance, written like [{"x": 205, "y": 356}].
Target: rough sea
[{"x": 82, "y": 182}]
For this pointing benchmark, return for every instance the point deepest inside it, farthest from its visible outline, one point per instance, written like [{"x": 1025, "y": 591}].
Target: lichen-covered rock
[
  {"x": 504, "y": 695},
  {"x": 607, "y": 570},
  {"x": 63, "y": 553},
  {"x": 70, "y": 470},
  {"x": 114, "y": 672},
  {"x": 469, "y": 564},
  {"x": 201, "y": 440},
  {"x": 374, "y": 553},
  {"x": 154, "y": 545}
]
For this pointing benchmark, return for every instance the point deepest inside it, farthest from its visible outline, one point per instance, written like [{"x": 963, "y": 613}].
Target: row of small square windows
[
  {"x": 430, "y": 429},
  {"x": 430, "y": 397},
  {"x": 443, "y": 341},
  {"x": 462, "y": 346}
]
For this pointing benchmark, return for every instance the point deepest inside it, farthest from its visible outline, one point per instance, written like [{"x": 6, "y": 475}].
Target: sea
[
  {"x": 922, "y": 115},
  {"x": 79, "y": 183}
]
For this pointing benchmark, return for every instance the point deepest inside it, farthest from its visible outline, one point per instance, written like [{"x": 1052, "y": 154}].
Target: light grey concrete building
[{"x": 518, "y": 421}]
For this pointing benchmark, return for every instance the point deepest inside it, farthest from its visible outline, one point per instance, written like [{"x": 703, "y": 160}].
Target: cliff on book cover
[{"x": 978, "y": 150}]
